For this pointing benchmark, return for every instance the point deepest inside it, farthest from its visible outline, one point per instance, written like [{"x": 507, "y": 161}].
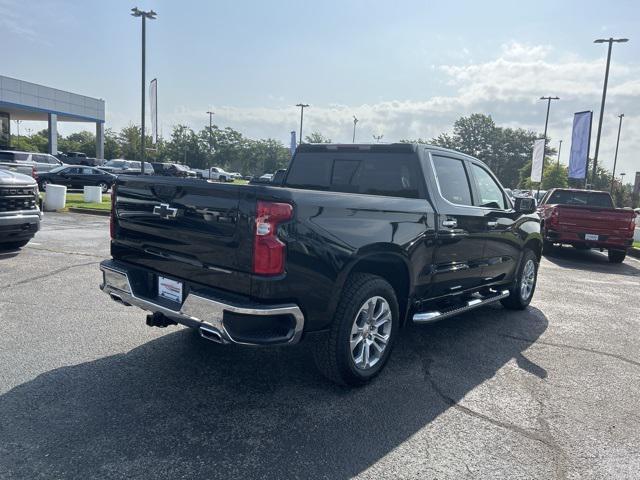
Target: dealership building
[{"x": 20, "y": 100}]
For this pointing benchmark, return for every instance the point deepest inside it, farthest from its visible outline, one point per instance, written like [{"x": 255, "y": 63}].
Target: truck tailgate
[
  {"x": 186, "y": 228},
  {"x": 594, "y": 219}
]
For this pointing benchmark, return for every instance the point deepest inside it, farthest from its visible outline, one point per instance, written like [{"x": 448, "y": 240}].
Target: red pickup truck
[{"x": 586, "y": 219}]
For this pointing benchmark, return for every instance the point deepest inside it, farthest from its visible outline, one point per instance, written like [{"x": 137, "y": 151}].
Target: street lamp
[
  {"x": 377, "y": 138},
  {"x": 615, "y": 157},
  {"x": 302, "y": 107},
  {"x": 546, "y": 123},
  {"x": 210, "y": 131},
  {"x": 355, "y": 121},
  {"x": 151, "y": 15},
  {"x": 610, "y": 41}
]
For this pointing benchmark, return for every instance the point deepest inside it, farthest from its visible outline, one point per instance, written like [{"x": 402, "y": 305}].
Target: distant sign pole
[{"x": 153, "y": 109}]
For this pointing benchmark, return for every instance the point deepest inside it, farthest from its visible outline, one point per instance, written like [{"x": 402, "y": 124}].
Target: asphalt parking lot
[{"x": 88, "y": 391}]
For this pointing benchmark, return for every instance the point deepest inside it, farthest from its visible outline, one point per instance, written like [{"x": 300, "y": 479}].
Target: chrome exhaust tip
[{"x": 211, "y": 334}]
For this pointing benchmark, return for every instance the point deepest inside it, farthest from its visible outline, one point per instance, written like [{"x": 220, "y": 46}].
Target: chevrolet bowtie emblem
[{"x": 165, "y": 211}]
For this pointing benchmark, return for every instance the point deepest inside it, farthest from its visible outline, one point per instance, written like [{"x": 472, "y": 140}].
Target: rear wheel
[
  {"x": 617, "y": 256},
  {"x": 364, "y": 328},
  {"x": 43, "y": 185},
  {"x": 521, "y": 292}
]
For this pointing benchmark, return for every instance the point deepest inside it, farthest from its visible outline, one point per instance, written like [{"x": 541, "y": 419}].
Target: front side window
[
  {"x": 489, "y": 191},
  {"x": 452, "y": 180}
]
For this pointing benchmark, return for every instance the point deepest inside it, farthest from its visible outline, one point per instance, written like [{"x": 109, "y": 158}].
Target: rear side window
[
  {"x": 452, "y": 180},
  {"x": 385, "y": 174},
  {"x": 13, "y": 156},
  {"x": 587, "y": 199}
]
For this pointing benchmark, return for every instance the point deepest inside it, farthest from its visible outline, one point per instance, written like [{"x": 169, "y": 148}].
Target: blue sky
[{"x": 405, "y": 68}]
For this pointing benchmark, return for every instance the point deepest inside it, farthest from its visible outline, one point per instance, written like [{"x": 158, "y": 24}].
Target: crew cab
[
  {"x": 586, "y": 219},
  {"x": 19, "y": 212},
  {"x": 354, "y": 243}
]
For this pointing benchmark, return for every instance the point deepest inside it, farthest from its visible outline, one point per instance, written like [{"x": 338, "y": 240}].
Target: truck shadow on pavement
[
  {"x": 180, "y": 406},
  {"x": 590, "y": 260}
]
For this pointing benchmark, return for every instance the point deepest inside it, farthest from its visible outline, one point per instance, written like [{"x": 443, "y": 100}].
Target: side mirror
[{"x": 524, "y": 204}]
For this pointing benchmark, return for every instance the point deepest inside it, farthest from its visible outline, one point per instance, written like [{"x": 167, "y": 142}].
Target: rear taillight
[
  {"x": 268, "y": 250},
  {"x": 112, "y": 217}
]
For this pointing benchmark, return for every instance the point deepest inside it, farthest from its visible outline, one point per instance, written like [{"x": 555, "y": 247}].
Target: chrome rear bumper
[{"x": 201, "y": 312}]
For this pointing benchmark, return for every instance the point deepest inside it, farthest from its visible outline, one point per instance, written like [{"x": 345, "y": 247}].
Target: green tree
[{"x": 316, "y": 137}]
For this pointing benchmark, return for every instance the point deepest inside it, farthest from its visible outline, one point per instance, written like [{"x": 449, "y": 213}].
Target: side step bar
[{"x": 436, "y": 315}]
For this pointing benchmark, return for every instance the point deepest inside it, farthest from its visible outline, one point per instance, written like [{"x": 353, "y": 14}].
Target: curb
[
  {"x": 90, "y": 211},
  {"x": 634, "y": 252}
]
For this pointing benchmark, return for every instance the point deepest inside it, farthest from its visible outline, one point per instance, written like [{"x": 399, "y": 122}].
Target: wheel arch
[{"x": 387, "y": 264}]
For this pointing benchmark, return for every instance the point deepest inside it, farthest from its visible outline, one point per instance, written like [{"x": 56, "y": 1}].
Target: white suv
[{"x": 40, "y": 162}]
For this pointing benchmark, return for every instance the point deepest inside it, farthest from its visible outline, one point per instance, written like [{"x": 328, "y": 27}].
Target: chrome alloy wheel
[
  {"x": 370, "y": 332},
  {"x": 528, "y": 279}
]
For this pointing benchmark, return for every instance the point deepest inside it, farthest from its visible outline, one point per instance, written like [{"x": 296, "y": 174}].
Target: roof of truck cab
[{"x": 379, "y": 147}]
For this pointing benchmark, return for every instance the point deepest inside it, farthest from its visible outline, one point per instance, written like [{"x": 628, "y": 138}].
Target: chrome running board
[{"x": 436, "y": 315}]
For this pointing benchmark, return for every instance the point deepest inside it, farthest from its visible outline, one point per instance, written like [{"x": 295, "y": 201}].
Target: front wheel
[
  {"x": 364, "y": 328},
  {"x": 521, "y": 292},
  {"x": 616, "y": 256},
  {"x": 104, "y": 187}
]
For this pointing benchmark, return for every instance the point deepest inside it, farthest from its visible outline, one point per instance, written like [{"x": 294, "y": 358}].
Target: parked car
[
  {"x": 358, "y": 241},
  {"x": 586, "y": 219},
  {"x": 77, "y": 177},
  {"x": 172, "y": 170},
  {"x": 39, "y": 162},
  {"x": 19, "y": 212},
  {"x": 130, "y": 167},
  {"x": 79, "y": 158},
  {"x": 216, "y": 173}
]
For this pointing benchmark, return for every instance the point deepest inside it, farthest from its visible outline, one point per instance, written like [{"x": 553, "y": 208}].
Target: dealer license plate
[
  {"x": 170, "y": 289},
  {"x": 590, "y": 236}
]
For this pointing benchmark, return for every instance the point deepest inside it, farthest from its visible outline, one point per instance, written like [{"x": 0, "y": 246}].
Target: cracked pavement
[{"x": 88, "y": 391}]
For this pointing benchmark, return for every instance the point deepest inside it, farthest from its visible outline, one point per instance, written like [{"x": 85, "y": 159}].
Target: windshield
[{"x": 585, "y": 199}]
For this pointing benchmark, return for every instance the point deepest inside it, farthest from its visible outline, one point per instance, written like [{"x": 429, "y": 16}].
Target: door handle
[
  {"x": 492, "y": 224},
  {"x": 450, "y": 223}
]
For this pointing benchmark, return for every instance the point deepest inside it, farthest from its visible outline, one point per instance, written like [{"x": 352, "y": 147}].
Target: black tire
[
  {"x": 332, "y": 352},
  {"x": 103, "y": 186},
  {"x": 43, "y": 185},
  {"x": 517, "y": 300},
  {"x": 547, "y": 247},
  {"x": 222, "y": 178},
  {"x": 616, "y": 256}
]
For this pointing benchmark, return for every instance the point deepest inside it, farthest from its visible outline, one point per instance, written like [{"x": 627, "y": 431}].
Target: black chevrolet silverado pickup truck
[{"x": 355, "y": 242}]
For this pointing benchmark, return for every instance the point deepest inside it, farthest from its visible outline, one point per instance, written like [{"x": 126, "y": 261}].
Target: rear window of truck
[
  {"x": 386, "y": 174},
  {"x": 587, "y": 199}
]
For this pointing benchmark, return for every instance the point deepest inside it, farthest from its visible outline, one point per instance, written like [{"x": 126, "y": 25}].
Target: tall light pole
[
  {"x": 546, "y": 124},
  {"x": 355, "y": 121},
  {"x": 210, "y": 131},
  {"x": 559, "y": 150},
  {"x": 151, "y": 15},
  {"x": 610, "y": 41},
  {"x": 302, "y": 107},
  {"x": 615, "y": 157}
]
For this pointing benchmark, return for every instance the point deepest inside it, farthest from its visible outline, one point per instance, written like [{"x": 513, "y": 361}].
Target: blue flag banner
[
  {"x": 293, "y": 142},
  {"x": 580, "y": 141}
]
